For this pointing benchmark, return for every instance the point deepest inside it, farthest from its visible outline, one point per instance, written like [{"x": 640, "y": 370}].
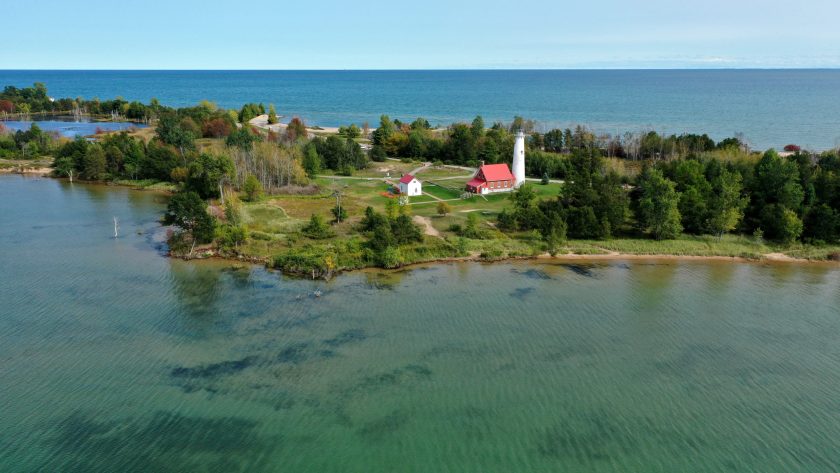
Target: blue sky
[{"x": 373, "y": 34}]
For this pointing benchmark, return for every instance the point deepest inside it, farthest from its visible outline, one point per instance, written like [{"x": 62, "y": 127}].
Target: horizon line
[{"x": 730, "y": 68}]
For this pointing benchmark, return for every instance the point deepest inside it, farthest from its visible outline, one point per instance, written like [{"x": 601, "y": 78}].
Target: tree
[
  {"x": 216, "y": 128},
  {"x": 477, "y": 127},
  {"x": 206, "y": 174},
  {"x": 726, "y": 206},
  {"x": 351, "y": 131},
  {"x": 339, "y": 213},
  {"x": 295, "y": 130},
  {"x": 553, "y": 141},
  {"x": 776, "y": 184},
  {"x": 250, "y": 111},
  {"x": 231, "y": 236},
  {"x": 553, "y": 231},
  {"x": 658, "y": 206},
  {"x": 94, "y": 163},
  {"x": 311, "y": 161},
  {"x": 443, "y": 209},
  {"x": 272, "y": 114},
  {"x": 170, "y": 131},
  {"x": 378, "y": 154},
  {"x": 384, "y": 132},
  {"x": 545, "y": 179},
  {"x": 405, "y": 230},
  {"x": 317, "y": 229},
  {"x": 781, "y": 224},
  {"x": 241, "y": 138},
  {"x": 187, "y": 211},
  {"x": 253, "y": 188}
]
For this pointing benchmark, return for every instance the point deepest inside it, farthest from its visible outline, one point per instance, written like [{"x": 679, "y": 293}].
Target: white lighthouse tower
[{"x": 519, "y": 159}]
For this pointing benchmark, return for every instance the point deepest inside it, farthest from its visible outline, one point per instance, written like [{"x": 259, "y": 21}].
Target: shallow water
[
  {"x": 69, "y": 128},
  {"x": 115, "y": 358}
]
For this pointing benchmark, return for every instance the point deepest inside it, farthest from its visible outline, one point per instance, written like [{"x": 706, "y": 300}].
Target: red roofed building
[
  {"x": 410, "y": 186},
  {"x": 491, "y": 178}
]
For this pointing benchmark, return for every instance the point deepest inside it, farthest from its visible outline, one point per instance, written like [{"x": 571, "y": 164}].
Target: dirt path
[{"x": 428, "y": 229}]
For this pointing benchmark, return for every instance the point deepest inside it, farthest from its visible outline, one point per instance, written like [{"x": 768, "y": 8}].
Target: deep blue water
[{"x": 770, "y": 107}]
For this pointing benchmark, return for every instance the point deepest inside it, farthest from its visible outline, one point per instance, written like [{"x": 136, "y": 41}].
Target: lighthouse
[{"x": 519, "y": 159}]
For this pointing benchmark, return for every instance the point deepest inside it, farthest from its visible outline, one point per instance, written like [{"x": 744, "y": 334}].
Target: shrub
[
  {"x": 443, "y": 209},
  {"x": 253, "y": 188},
  {"x": 231, "y": 236},
  {"x": 317, "y": 229}
]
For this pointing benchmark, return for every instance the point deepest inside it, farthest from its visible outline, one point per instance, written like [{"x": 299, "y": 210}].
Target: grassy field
[
  {"x": 441, "y": 192},
  {"x": 442, "y": 172}
]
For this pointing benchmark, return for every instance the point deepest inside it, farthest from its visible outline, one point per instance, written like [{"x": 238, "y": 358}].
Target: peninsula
[{"x": 313, "y": 201}]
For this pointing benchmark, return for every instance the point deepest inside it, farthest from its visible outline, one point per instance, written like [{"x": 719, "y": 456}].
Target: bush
[
  {"x": 253, "y": 189},
  {"x": 391, "y": 258},
  {"x": 317, "y": 229},
  {"x": 443, "y": 209},
  {"x": 231, "y": 236}
]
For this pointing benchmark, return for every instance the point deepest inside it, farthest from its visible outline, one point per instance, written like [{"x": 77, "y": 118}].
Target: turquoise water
[
  {"x": 771, "y": 107},
  {"x": 115, "y": 358}
]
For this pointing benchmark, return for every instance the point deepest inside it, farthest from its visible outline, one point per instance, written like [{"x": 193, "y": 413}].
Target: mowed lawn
[{"x": 441, "y": 192}]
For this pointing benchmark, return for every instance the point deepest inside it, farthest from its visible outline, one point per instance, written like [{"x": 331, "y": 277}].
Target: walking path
[{"x": 427, "y": 225}]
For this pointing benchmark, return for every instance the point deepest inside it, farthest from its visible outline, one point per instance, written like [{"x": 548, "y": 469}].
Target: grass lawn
[
  {"x": 441, "y": 192},
  {"x": 434, "y": 172}
]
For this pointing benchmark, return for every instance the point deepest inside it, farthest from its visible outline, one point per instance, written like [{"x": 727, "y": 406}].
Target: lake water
[
  {"x": 116, "y": 358},
  {"x": 771, "y": 107},
  {"x": 69, "y": 128}
]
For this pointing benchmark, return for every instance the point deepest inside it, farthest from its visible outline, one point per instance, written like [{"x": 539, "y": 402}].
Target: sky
[{"x": 429, "y": 34}]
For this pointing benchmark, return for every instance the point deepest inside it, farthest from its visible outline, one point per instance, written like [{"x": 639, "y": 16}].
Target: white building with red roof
[
  {"x": 410, "y": 186},
  {"x": 491, "y": 178}
]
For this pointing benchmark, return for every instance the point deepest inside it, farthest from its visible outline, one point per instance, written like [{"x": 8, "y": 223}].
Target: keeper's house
[
  {"x": 491, "y": 178},
  {"x": 410, "y": 186}
]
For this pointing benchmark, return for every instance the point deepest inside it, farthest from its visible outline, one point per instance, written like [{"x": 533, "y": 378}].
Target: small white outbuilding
[{"x": 410, "y": 186}]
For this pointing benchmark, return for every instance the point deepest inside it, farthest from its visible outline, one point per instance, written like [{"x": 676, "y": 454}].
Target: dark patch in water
[
  {"x": 706, "y": 359},
  {"x": 532, "y": 273},
  {"x": 348, "y": 336},
  {"x": 394, "y": 377},
  {"x": 567, "y": 352},
  {"x": 594, "y": 439},
  {"x": 296, "y": 353},
  {"x": 521, "y": 292},
  {"x": 214, "y": 369},
  {"x": 580, "y": 270},
  {"x": 380, "y": 429},
  {"x": 166, "y": 441}
]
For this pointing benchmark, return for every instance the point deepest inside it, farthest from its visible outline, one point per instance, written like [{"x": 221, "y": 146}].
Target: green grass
[
  {"x": 148, "y": 184},
  {"x": 268, "y": 218},
  {"x": 685, "y": 245},
  {"x": 441, "y": 192},
  {"x": 433, "y": 172}
]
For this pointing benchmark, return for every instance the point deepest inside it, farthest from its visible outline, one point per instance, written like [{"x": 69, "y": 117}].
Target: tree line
[{"x": 782, "y": 199}]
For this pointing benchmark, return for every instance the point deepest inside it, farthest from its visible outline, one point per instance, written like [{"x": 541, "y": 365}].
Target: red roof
[
  {"x": 406, "y": 179},
  {"x": 476, "y": 182},
  {"x": 495, "y": 172}
]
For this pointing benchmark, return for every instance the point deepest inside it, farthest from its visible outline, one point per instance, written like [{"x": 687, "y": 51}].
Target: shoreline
[{"x": 768, "y": 259}]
